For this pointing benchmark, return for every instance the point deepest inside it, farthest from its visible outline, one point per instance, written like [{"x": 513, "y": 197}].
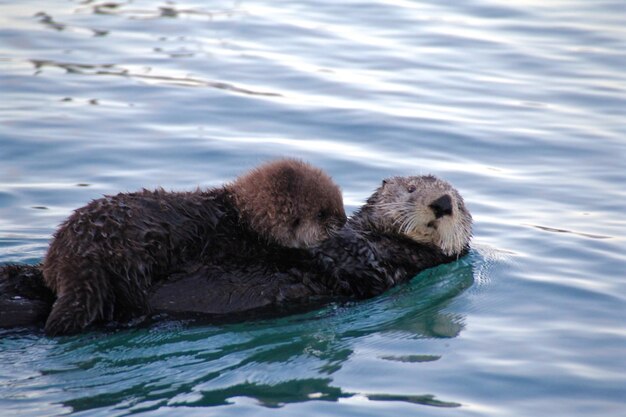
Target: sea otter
[
  {"x": 409, "y": 224},
  {"x": 106, "y": 255}
]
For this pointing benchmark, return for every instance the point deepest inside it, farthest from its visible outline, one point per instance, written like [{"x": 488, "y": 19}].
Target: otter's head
[
  {"x": 425, "y": 209},
  {"x": 289, "y": 202}
]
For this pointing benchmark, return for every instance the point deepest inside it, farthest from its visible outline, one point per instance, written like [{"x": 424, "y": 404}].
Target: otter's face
[
  {"x": 425, "y": 209},
  {"x": 316, "y": 219},
  {"x": 290, "y": 203}
]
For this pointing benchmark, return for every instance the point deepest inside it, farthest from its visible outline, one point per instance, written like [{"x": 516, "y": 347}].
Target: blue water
[{"x": 521, "y": 105}]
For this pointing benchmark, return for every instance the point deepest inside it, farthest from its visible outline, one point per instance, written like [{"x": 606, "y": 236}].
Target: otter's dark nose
[{"x": 442, "y": 206}]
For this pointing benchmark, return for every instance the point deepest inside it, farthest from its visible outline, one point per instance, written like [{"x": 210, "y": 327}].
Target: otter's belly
[{"x": 226, "y": 289}]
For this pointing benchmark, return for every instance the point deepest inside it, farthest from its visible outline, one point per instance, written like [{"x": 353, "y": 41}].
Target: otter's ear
[{"x": 384, "y": 183}]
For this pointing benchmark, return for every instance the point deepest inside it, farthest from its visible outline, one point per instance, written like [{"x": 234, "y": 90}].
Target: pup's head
[{"x": 289, "y": 202}]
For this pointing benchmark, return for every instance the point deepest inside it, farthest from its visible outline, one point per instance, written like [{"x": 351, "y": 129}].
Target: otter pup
[
  {"x": 409, "y": 224},
  {"x": 106, "y": 255}
]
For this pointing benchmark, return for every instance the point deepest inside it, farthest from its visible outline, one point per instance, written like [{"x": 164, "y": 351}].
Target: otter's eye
[
  {"x": 322, "y": 214},
  {"x": 411, "y": 188}
]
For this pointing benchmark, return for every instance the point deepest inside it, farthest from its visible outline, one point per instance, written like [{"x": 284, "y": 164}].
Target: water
[{"x": 522, "y": 106}]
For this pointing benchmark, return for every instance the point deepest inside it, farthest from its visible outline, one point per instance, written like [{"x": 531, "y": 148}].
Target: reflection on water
[
  {"x": 110, "y": 69},
  {"x": 208, "y": 366},
  {"x": 521, "y": 105},
  {"x": 48, "y": 21},
  {"x": 131, "y": 11}
]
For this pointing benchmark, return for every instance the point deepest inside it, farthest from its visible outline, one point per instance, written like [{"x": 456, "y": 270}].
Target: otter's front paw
[{"x": 68, "y": 316}]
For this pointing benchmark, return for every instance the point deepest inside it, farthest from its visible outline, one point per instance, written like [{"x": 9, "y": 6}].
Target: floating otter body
[
  {"x": 104, "y": 258},
  {"x": 409, "y": 224}
]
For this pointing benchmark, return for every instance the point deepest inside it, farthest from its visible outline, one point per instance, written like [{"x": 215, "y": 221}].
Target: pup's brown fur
[{"x": 295, "y": 210}]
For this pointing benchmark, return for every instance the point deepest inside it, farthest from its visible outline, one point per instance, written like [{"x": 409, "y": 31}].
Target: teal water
[{"x": 521, "y": 105}]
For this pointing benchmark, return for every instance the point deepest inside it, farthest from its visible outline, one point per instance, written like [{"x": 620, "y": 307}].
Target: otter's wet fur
[{"x": 106, "y": 255}]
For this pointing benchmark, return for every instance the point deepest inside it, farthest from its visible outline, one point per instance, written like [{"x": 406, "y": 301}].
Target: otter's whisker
[
  {"x": 391, "y": 204},
  {"x": 404, "y": 226},
  {"x": 411, "y": 224},
  {"x": 401, "y": 220}
]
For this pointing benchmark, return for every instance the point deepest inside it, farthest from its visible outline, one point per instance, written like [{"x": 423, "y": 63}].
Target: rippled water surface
[{"x": 521, "y": 105}]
